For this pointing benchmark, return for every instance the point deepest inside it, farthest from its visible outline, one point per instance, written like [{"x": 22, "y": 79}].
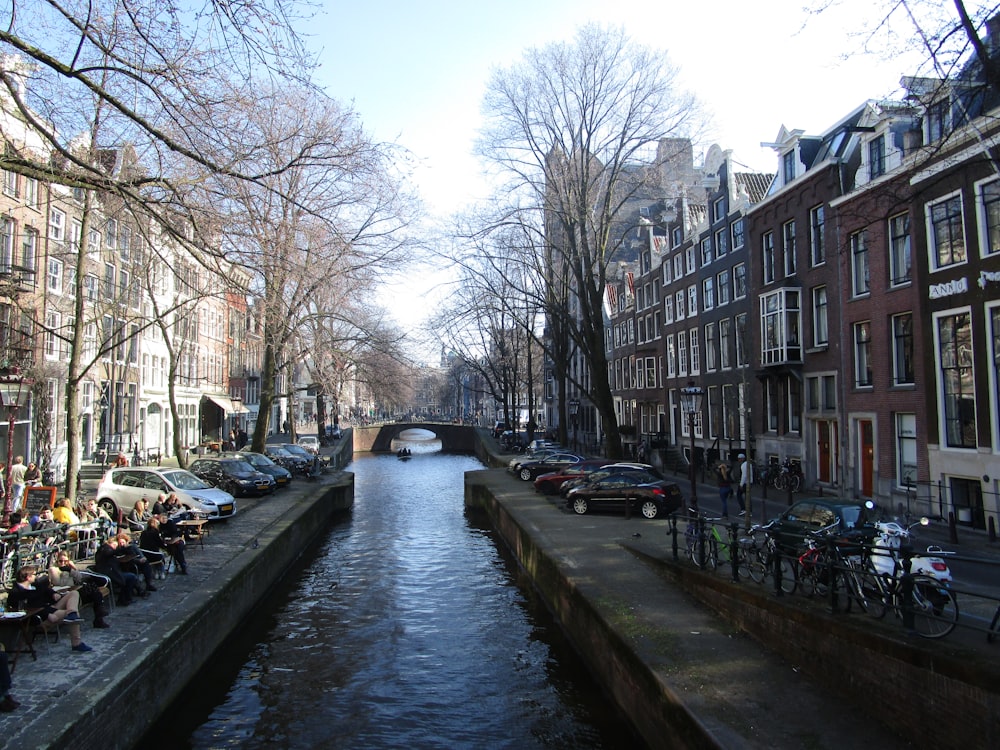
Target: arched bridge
[{"x": 455, "y": 438}]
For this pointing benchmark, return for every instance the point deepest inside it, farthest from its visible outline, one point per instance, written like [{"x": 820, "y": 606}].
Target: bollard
[
  {"x": 673, "y": 535},
  {"x": 952, "y": 528}
]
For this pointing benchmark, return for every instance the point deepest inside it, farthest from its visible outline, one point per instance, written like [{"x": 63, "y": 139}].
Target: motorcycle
[{"x": 886, "y": 557}]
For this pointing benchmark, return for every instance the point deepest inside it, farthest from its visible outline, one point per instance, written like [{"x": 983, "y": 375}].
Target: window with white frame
[
  {"x": 8, "y": 235},
  {"x": 680, "y": 305},
  {"x": 666, "y": 272},
  {"x": 711, "y": 347},
  {"x": 860, "y": 283},
  {"x": 900, "y": 262},
  {"x": 721, "y": 242},
  {"x": 690, "y": 261},
  {"x": 737, "y": 231},
  {"x": 682, "y": 353},
  {"x": 741, "y": 340},
  {"x": 52, "y": 322},
  {"x": 695, "y": 353},
  {"x": 821, "y": 328},
  {"x": 788, "y": 166},
  {"x": 110, "y": 277},
  {"x": 993, "y": 316},
  {"x": 10, "y": 180},
  {"x": 57, "y": 225},
  {"x": 779, "y": 327},
  {"x": 767, "y": 257},
  {"x": 739, "y": 281},
  {"x": 678, "y": 266},
  {"x": 946, "y": 235},
  {"x": 817, "y": 239},
  {"x": 772, "y": 404},
  {"x": 111, "y": 234},
  {"x": 876, "y": 157},
  {"x": 651, "y": 372},
  {"x": 788, "y": 246},
  {"x": 906, "y": 449},
  {"x": 671, "y": 356},
  {"x": 706, "y": 250},
  {"x": 725, "y": 342},
  {"x": 957, "y": 378},
  {"x": 640, "y": 374},
  {"x": 718, "y": 209},
  {"x": 54, "y": 282},
  {"x": 692, "y": 300},
  {"x": 794, "y": 405},
  {"x": 937, "y": 119},
  {"x": 722, "y": 284},
  {"x": 903, "y": 367},
  {"x": 668, "y": 309},
  {"x": 989, "y": 221},
  {"x": 863, "y": 354},
  {"x": 676, "y": 237},
  {"x": 29, "y": 248},
  {"x": 31, "y": 192},
  {"x": 708, "y": 293}
]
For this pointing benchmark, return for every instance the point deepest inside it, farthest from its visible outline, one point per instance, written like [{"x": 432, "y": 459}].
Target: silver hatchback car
[{"x": 120, "y": 488}]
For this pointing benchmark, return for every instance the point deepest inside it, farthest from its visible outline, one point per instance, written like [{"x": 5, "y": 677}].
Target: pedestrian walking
[
  {"x": 746, "y": 477},
  {"x": 725, "y": 486}
]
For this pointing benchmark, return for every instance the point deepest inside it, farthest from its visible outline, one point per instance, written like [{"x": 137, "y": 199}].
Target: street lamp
[
  {"x": 14, "y": 392},
  {"x": 574, "y": 416},
  {"x": 691, "y": 397}
]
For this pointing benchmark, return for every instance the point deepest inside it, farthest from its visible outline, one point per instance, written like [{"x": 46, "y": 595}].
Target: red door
[
  {"x": 866, "y": 443},
  {"x": 824, "y": 463}
]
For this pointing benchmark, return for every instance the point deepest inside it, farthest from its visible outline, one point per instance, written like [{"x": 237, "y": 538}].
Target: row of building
[
  {"x": 146, "y": 303},
  {"x": 842, "y": 312}
]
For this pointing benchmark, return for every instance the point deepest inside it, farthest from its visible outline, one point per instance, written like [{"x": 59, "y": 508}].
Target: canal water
[{"x": 407, "y": 627}]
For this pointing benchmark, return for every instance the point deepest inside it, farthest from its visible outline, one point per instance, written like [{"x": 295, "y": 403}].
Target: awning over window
[{"x": 227, "y": 405}]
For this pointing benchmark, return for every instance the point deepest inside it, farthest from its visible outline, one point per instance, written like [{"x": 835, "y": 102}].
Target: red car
[{"x": 549, "y": 484}]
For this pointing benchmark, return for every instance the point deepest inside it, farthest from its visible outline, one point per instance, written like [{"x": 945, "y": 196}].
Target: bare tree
[{"x": 579, "y": 129}]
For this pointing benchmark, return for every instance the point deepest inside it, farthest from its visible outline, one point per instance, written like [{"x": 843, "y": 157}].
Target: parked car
[
  {"x": 310, "y": 443},
  {"x": 500, "y": 428},
  {"x": 538, "y": 455},
  {"x": 282, "y": 476},
  {"x": 815, "y": 513},
  {"x": 549, "y": 484},
  {"x": 234, "y": 475},
  {"x": 121, "y": 487},
  {"x": 296, "y": 464},
  {"x": 528, "y": 470},
  {"x": 614, "y": 491},
  {"x": 312, "y": 462},
  {"x": 641, "y": 472}
]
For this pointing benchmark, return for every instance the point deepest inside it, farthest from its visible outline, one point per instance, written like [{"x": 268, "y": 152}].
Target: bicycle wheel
[
  {"x": 794, "y": 482},
  {"x": 781, "y": 481},
  {"x": 874, "y": 590},
  {"x": 757, "y": 565},
  {"x": 789, "y": 573},
  {"x": 935, "y": 609}
]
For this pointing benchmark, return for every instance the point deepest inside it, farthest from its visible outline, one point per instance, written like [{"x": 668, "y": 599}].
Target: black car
[
  {"x": 528, "y": 470},
  {"x": 312, "y": 461},
  {"x": 812, "y": 514},
  {"x": 263, "y": 464},
  {"x": 294, "y": 463},
  {"x": 643, "y": 473},
  {"x": 615, "y": 492},
  {"x": 233, "y": 475}
]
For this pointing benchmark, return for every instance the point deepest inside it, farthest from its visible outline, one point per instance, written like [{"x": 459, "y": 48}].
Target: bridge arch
[{"x": 455, "y": 438}]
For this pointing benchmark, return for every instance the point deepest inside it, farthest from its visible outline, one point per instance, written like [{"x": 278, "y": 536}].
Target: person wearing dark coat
[{"x": 106, "y": 563}]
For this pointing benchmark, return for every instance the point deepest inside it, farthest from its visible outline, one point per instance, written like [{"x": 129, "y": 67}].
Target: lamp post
[
  {"x": 14, "y": 391},
  {"x": 574, "y": 416},
  {"x": 691, "y": 397}
]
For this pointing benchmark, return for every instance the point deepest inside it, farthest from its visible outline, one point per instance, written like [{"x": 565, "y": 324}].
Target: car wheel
[
  {"x": 649, "y": 509},
  {"x": 526, "y": 475},
  {"x": 109, "y": 507},
  {"x": 580, "y": 505}
]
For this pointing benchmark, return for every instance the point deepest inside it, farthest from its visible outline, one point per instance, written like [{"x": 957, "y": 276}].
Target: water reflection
[{"x": 407, "y": 629}]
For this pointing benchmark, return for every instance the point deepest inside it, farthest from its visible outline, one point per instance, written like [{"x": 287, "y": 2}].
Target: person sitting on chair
[
  {"x": 65, "y": 573},
  {"x": 139, "y": 516},
  {"x": 129, "y": 555},
  {"x": 51, "y": 607},
  {"x": 154, "y": 538},
  {"x": 106, "y": 563}
]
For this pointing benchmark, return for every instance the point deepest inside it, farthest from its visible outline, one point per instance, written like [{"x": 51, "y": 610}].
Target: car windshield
[
  {"x": 234, "y": 464},
  {"x": 255, "y": 459},
  {"x": 185, "y": 480},
  {"x": 297, "y": 450},
  {"x": 850, "y": 514},
  {"x": 280, "y": 452}
]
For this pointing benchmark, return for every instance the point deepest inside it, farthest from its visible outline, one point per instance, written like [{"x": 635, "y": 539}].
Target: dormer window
[
  {"x": 876, "y": 157},
  {"x": 788, "y": 166},
  {"x": 937, "y": 120}
]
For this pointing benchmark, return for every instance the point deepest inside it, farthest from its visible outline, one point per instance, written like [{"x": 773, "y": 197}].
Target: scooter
[{"x": 885, "y": 556}]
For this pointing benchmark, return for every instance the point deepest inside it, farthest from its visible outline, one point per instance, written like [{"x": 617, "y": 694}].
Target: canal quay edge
[
  {"x": 157, "y": 646},
  {"x": 695, "y": 661}
]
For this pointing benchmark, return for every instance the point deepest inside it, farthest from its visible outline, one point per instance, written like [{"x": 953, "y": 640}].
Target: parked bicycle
[{"x": 787, "y": 476}]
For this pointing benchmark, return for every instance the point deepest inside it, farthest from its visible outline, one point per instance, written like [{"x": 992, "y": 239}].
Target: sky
[{"x": 415, "y": 71}]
